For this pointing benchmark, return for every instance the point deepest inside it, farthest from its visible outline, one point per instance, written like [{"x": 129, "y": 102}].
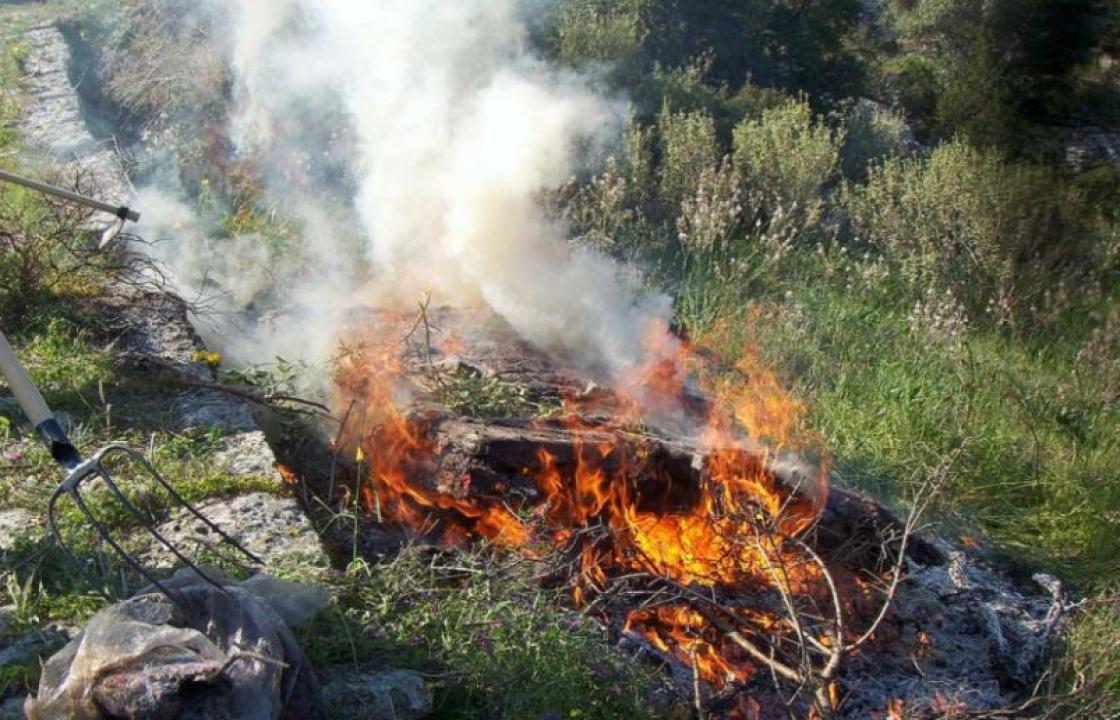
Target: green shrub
[
  {"x": 44, "y": 247},
  {"x": 912, "y": 81},
  {"x": 1001, "y": 65},
  {"x": 684, "y": 88},
  {"x": 788, "y": 155},
  {"x": 597, "y": 31},
  {"x": 639, "y": 144},
  {"x": 688, "y": 149},
  {"x": 978, "y": 102},
  {"x": 998, "y": 235},
  {"x": 873, "y": 133}
]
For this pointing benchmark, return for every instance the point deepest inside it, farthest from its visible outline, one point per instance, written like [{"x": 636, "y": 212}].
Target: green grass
[
  {"x": 1040, "y": 441},
  {"x": 63, "y": 358},
  {"x": 491, "y": 642},
  {"x": 1037, "y": 479}
]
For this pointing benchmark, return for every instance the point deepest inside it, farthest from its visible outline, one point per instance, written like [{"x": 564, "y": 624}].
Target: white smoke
[{"x": 458, "y": 128}]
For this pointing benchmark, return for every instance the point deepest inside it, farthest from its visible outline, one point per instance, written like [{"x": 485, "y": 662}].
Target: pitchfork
[{"x": 81, "y": 472}]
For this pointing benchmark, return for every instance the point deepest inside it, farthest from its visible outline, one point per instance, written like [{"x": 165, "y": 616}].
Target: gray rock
[
  {"x": 270, "y": 526},
  {"x": 7, "y": 618},
  {"x": 157, "y": 326},
  {"x": 12, "y": 709},
  {"x": 1091, "y": 147},
  {"x": 31, "y": 647},
  {"x": 211, "y": 409},
  {"x": 16, "y": 523},
  {"x": 246, "y": 455},
  {"x": 391, "y": 695}
]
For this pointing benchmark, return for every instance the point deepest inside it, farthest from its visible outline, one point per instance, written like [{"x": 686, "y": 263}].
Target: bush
[
  {"x": 44, "y": 247},
  {"x": 1000, "y": 64},
  {"x": 792, "y": 46},
  {"x": 872, "y": 134},
  {"x": 1000, "y": 236},
  {"x": 688, "y": 149},
  {"x": 787, "y": 154},
  {"x": 912, "y": 82},
  {"x": 597, "y": 31}
]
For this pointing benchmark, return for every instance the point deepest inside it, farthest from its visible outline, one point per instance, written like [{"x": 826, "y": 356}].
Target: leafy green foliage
[
  {"x": 997, "y": 64},
  {"x": 1002, "y": 237},
  {"x": 688, "y": 148},
  {"x": 755, "y": 39},
  {"x": 873, "y": 133},
  {"x": 282, "y": 377},
  {"x": 601, "y": 31},
  {"x": 487, "y": 397},
  {"x": 788, "y": 155}
]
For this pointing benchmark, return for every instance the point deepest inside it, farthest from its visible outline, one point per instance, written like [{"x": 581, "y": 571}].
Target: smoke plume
[{"x": 434, "y": 128}]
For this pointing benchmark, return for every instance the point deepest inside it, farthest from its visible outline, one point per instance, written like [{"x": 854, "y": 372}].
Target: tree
[{"x": 1001, "y": 63}]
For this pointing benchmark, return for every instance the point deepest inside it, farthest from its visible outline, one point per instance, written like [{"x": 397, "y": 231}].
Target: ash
[{"x": 961, "y": 636}]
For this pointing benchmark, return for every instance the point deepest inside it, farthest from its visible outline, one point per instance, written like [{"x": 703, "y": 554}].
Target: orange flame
[{"x": 733, "y": 531}]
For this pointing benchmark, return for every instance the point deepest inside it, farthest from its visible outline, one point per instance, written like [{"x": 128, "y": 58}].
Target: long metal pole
[{"x": 123, "y": 212}]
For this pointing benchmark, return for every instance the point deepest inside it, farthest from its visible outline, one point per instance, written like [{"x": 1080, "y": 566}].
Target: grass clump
[
  {"x": 63, "y": 359},
  {"x": 493, "y": 642}
]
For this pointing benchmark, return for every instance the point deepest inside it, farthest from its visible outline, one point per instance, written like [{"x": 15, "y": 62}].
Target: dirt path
[{"x": 54, "y": 120}]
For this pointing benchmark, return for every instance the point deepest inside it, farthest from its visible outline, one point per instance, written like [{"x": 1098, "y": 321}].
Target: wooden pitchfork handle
[
  {"x": 36, "y": 408},
  {"x": 123, "y": 212}
]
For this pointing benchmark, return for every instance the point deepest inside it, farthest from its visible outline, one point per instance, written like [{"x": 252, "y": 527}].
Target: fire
[
  {"x": 735, "y": 531},
  {"x": 685, "y": 634},
  {"x": 393, "y": 450}
]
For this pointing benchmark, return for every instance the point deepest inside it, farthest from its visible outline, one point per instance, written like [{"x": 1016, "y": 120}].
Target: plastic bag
[{"x": 211, "y": 654}]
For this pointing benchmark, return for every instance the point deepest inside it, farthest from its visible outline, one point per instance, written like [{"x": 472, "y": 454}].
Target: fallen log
[{"x": 476, "y": 459}]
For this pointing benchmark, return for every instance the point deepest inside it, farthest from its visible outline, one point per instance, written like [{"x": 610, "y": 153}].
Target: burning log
[{"x": 492, "y": 460}]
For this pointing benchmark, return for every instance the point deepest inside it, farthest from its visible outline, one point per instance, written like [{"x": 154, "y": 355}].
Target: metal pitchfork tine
[{"x": 78, "y": 471}]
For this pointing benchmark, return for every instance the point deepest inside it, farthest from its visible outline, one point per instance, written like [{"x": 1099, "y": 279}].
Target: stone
[
  {"x": 213, "y": 409},
  {"x": 270, "y": 526},
  {"x": 7, "y": 619},
  {"x": 12, "y": 709},
  {"x": 248, "y": 455},
  {"x": 31, "y": 647},
  {"x": 14, "y": 524},
  {"x": 390, "y": 695}
]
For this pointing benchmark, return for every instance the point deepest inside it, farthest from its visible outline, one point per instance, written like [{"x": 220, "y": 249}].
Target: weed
[
  {"x": 279, "y": 378},
  {"x": 488, "y": 397},
  {"x": 494, "y": 642},
  {"x": 63, "y": 359}
]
